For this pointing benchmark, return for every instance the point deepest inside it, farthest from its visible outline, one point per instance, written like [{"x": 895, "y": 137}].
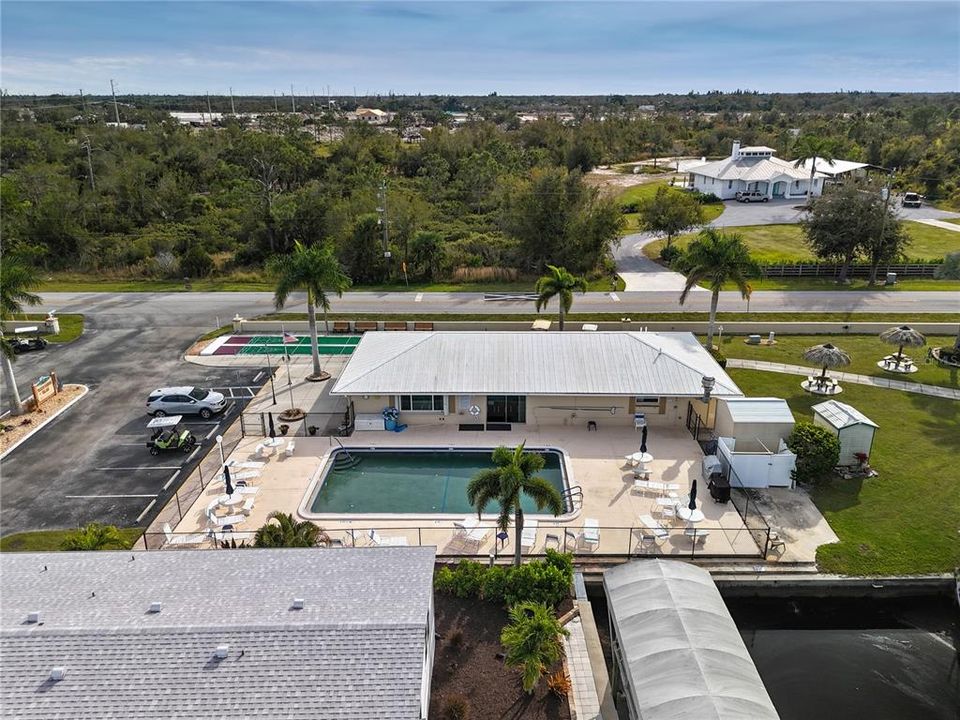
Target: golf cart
[
  {"x": 168, "y": 435},
  {"x": 22, "y": 342}
]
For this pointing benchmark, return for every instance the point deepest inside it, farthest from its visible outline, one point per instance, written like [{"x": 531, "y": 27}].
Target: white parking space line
[
  {"x": 172, "y": 478},
  {"x": 614, "y": 297},
  {"x": 207, "y": 436},
  {"x": 146, "y": 509},
  {"x": 258, "y": 376},
  {"x": 192, "y": 455},
  {"x": 418, "y": 298},
  {"x": 74, "y": 497}
]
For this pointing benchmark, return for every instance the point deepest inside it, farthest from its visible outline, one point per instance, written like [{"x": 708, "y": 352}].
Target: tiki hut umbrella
[
  {"x": 828, "y": 356},
  {"x": 903, "y": 336}
]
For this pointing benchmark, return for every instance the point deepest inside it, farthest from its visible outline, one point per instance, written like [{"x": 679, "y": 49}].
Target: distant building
[
  {"x": 753, "y": 169},
  {"x": 196, "y": 118},
  {"x": 837, "y": 170},
  {"x": 290, "y": 633},
  {"x": 372, "y": 116}
]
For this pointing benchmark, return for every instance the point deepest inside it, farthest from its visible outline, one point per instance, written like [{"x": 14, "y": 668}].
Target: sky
[{"x": 582, "y": 48}]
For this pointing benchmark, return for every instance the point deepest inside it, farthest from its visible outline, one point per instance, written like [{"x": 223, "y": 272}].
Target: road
[{"x": 91, "y": 462}]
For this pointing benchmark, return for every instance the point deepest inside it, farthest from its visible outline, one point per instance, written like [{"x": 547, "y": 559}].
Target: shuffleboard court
[{"x": 274, "y": 345}]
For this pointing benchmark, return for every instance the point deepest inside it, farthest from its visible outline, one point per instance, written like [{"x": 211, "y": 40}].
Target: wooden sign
[{"x": 45, "y": 387}]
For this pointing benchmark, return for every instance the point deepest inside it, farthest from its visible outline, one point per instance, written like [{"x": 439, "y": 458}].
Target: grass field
[
  {"x": 71, "y": 325},
  {"x": 906, "y": 521},
  {"x": 785, "y": 244},
  {"x": 864, "y": 351},
  {"x": 648, "y": 190},
  {"x": 807, "y": 284},
  {"x": 49, "y": 540}
]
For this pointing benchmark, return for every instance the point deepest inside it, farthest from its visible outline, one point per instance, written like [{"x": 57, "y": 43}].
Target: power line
[{"x": 116, "y": 108}]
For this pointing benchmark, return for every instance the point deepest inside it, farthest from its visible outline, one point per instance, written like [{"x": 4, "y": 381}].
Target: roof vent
[
  {"x": 58, "y": 673},
  {"x": 155, "y": 606},
  {"x": 221, "y": 652},
  {"x": 298, "y": 603},
  {"x": 33, "y": 617}
]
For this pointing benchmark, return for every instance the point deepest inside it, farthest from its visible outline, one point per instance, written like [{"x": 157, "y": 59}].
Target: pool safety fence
[
  {"x": 338, "y": 423},
  {"x": 615, "y": 542}
]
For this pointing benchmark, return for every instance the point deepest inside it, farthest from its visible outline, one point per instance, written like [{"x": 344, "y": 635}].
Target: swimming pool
[{"x": 412, "y": 482}]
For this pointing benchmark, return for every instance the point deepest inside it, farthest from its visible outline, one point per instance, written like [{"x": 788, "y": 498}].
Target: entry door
[
  {"x": 506, "y": 409},
  {"x": 779, "y": 189}
]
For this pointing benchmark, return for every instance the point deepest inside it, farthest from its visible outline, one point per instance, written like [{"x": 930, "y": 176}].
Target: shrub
[
  {"x": 457, "y": 707},
  {"x": 719, "y": 357},
  {"x": 532, "y": 640},
  {"x": 669, "y": 253},
  {"x": 561, "y": 561},
  {"x": 196, "y": 262},
  {"x": 94, "y": 536},
  {"x": 559, "y": 684},
  {"x": 817, "y": 450},
  {"x": 536, "y": 582},
  {"x": 468, "y": 578},
  {"x": 443, "y": 580},
  {"x": 494, "y": 586},
  {"x": 706, "y": 198},
  {"x": 950, "y": 269},
  {"x": 543, "y": 581}
]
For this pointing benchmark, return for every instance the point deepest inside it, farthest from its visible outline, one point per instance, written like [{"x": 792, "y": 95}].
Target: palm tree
[
  {"x": 94, "y": 536},
  {"x": 17, "y": 279},
  {"x": 532, "y": 640},
  {"x": 561, "y": 283},
  {"x": 812, "y": 148},
  {"x": 281, "y": 530},
  {"x": 514, "y": 476},
  {"x": 316, "y": 270},
  {"x": 717, "y": 258}
]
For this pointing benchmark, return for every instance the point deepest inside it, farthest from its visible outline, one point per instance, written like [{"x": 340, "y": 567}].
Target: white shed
[
  {"x": 758, "y": 424},
  {"x": 854, "y": 429}
]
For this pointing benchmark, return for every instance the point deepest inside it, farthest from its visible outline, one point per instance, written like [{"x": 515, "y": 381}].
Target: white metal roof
[
  {"x": 757, "y": 149},
  {"x": 840, "y": 415},
  {"x": 751, "y": 169},
  {"x": 532, "y": 363},
  {"x": 837, "y": 168},
  {"x": 682, "y": 655},
  {"x": 759, "y": 410}
]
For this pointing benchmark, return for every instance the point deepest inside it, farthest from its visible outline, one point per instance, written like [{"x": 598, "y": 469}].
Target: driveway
[
  {"x": 785, "y": 212},
  {"x": 91, "y": 463},
  {"x": 640, "y": 272}
]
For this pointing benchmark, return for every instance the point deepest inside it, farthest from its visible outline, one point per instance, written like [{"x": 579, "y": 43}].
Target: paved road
[{"x": 91, "y": 463}]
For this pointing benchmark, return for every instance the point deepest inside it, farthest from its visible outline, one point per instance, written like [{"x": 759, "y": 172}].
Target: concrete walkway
[
  {"x": 640, "y": 272},
  {"x": 585, "y": 699},
  {"x": 944, "y": 225},
  {"x": 919, "y": 388}
]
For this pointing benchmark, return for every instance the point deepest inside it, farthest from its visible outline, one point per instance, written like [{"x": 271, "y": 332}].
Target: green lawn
[
  {"x": 648, "y": 190},
  {"x": 864, "y": 351},
  {"x": 48, "y": 540},
  {"x": 906, "y": 521},
  {"x": 71, "y": 326},
  {"x": 785, "y": 244},
  {"x": 812, "y": 283}
]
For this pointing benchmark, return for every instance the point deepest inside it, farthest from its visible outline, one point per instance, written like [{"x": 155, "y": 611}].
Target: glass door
[{"x": 506, "y": 409}]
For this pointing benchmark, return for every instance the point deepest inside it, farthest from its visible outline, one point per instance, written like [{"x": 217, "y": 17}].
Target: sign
[{"x": 45, "y": 387}]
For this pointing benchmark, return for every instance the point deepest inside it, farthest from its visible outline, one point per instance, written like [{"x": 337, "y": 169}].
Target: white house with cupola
[{"x": 753, "y": 169}]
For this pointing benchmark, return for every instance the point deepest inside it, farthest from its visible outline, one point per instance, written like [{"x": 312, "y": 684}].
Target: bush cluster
[
  {"x": 719, "y": 357},
  {"x": 541, "y": 581},
  {"x": 669, "y": 253},
  {"x": 817, "y": 450},
  {"x": 706, "y": 198}
]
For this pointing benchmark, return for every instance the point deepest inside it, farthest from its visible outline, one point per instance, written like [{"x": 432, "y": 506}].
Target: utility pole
[
  {"x": 86, "y": 145},
  {"x": 83, "y": 101},
  {"x": 293, "y": 98},
  {"x": 233, "y": 110},
  {"x": 887, "y": 192},
  {"x": 276, "y": 107},
  {"x": 382, "y": 220},
  {"x": 116, "y": 109},
  {"x": 209, "y": 111}
]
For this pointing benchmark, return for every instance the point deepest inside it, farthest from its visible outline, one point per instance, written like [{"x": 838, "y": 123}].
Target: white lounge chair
[
  {"x": 655, "y": 528},
  {"x": 226, "y": 520},
  {"x": 378, "y": 540},
  {"x": 528, "y": 538},
  {"x": 471, "y": 530},
  {"x": 590, "y": 534},
  {"x": 697, "y": 537},
  {"x": 291, "y": 446},
  {"x": 247, "y": 489},
  {"x": 236, "y": 476},
  {"x": 247, "y": 506},
  {"x": 192, "y": 539}
]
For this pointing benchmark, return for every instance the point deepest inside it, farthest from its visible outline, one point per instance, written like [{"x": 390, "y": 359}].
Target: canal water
[{"x": 850, "y": 659}]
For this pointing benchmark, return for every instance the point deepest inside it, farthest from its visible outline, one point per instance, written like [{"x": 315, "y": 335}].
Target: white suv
[
  {"x": 753, "y": 196},
  {"x": 185, "y": 401}
]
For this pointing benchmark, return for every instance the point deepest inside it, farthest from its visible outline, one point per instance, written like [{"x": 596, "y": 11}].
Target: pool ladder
[
  {"x": 345, "y": 461},
  {"x": 574, "y": 494}
]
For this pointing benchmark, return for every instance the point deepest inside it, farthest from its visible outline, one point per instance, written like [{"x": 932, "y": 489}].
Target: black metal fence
[
  {"x": 257, "y": 424},
  {"x": 832, "y": 270}
]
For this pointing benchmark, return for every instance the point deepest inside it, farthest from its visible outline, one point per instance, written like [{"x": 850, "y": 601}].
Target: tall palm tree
[
  {"x": 533, "y": 641},
  {"x": 17, "y": 280},
  {"x": 94, "y": 536},
  {"x": 717, "y": 258},
  {"x": 281, "y": 531},
  {"x": 316, "y": 270},
  {"x": 560, "y": 283},
  {"x": 812, "y": 148},
  {"x": 514, "y": 476}
]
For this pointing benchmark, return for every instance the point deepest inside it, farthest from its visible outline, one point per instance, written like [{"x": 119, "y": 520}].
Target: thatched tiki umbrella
[
  {"x": 828, "y": 356},
  {"x": 903, "y": 336}
]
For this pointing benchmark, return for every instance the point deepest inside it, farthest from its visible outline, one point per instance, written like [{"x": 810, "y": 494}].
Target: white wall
[
  {"x": 750, "y": 435},
  {"x": 756, "y": 470},
  {"x": 853, "y": 439}
]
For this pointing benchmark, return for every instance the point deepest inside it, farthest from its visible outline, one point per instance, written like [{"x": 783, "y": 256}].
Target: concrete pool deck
[{"x": 596, "y": 463}]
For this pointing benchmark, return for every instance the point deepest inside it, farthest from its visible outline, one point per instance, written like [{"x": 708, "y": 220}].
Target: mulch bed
[{"x": 466, "y": 664}]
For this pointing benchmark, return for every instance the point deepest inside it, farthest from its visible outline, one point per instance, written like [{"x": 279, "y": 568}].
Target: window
[
  {"x": 647, "y": 402},
  {"x": 199, "y": 393},
  {"x": 729, "y": 184},
  {"x": 422, "y": 403}
]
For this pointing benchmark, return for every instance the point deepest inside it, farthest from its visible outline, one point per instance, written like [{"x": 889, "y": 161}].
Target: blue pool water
[{"x": 422, "y": 482}]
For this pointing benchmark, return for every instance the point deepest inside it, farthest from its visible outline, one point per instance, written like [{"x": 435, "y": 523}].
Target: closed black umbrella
[
  {"x": 273, "y": 432},
  {"x": 643, "y": 440},
  {"x": 693, "y": 496},
  {"x": 226, "y": 480}
]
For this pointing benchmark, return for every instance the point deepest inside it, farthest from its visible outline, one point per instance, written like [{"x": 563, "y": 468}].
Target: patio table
[
  {"x": 230, "y": 500},
  {"x": 272, "y": 442},
  {"x": 691, "y": 516}
]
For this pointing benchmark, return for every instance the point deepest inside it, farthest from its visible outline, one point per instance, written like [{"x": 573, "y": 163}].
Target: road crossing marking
[
  {"x": 418, "y": 298},
  {"x": 614, "y": 297}
]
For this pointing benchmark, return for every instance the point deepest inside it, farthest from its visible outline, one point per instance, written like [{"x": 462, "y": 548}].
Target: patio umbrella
[
  {"x": 693, "y": 496},
  {"x": 903, "y": 336},
  {"x": 643, "y": 440},
  {"x": 826, "y": 355},
  {"x": 226, "y": 480},
  {"x": 273, "y": 432}
]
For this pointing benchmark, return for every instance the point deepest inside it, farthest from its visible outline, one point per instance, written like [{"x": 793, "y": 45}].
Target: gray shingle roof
[
  {"x": 354, "y": 651},
  {"x": 532, "y": 363}
]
